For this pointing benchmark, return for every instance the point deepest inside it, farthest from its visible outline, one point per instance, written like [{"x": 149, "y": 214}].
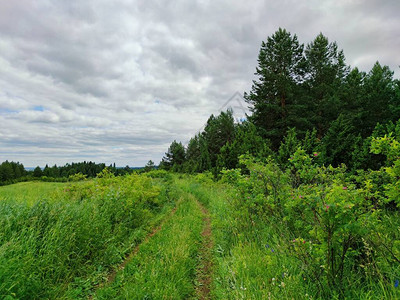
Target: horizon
[{"x": 112, "y": 83}]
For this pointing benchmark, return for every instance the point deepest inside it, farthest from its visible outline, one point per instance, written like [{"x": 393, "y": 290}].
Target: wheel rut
[
  {"x": 204, "y": 271},
  {"x": 112, "y": 275}
]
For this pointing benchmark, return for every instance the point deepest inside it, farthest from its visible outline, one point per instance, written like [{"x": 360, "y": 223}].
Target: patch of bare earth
[{"x": 204, "y": 272}]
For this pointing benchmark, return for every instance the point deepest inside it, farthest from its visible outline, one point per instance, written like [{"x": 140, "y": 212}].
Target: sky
[{"x": 118, "y": 81}]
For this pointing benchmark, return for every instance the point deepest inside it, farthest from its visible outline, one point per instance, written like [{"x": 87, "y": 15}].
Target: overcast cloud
[{"x": 118, "y": 81}]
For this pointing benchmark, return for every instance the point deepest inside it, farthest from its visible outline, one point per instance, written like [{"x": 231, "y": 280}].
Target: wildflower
[
  {"x": 327, "y": 207},
  {"x": 345, "y": 187},
  {"x": 396, "y": 283},
  {"x": 266, "y": 246},
  {"x": 315, "y": 154},
  {"x": 300, "y": 196},
  {"x": 272, "y": 250},
  {"x": 304, "y": 242},
  {"x": 282, "y": 284}
]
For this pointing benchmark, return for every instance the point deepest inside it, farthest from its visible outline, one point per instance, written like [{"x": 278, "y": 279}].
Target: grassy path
[
  {"x": 165, "y": 266},
  {"x": 111, "y": 277},
  {"x": 204, "y": 278}
]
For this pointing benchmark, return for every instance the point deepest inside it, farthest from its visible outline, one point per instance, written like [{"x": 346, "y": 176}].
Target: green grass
[
  {"x": 60, "y": 241},
  {"x": 59, "y": 248},
  {"x": 165, "y": 266},
  {"x": 251, "y": 259},
  {"x": 248, "y": 262},
  {"x": 30, "y": 191}
]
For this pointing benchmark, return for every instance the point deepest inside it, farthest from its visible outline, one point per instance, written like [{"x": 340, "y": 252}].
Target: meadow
[
  {"x": 148, "y": 237},
  {"x": 66, "y": 241},
  {"x": 30, "y": 192}
]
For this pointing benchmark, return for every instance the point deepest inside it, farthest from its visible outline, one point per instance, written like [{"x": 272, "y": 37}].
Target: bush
[{"x": 326, "y": 221}]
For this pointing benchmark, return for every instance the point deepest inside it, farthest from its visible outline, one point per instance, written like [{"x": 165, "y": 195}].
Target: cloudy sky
[{"x": 118, "y": 81}]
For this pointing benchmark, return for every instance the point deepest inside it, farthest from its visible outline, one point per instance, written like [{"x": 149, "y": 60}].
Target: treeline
[
  {"x": 89, "y": 169},
  {"x": 12, "y": 172},
  {"x": 303, "y": 96}
]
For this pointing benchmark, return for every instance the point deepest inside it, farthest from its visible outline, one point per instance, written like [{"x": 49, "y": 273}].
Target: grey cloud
[{"x": 98, "y": 67}]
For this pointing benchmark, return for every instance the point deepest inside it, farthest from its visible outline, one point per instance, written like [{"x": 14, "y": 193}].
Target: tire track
[
  {"x": 111, "y": 277},
  {"x": 204, "y": 272}
]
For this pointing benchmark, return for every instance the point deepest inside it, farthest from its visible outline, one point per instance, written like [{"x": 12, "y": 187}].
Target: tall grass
[
  {"x": 165, "y": 266},
  {"x": 61, "y": 247},
  {"x": 30, "y": 191},
  {"x": 252, "y": 260}
]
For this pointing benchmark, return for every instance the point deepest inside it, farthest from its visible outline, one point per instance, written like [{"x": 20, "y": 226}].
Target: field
[
  {"x": 30, "y": 192},
  {"x": 166, "y": 236}
]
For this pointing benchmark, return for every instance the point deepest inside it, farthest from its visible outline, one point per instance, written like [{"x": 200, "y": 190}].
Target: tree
[
  {"x": 37, "y": 172},
  {"x": 6, "y": 171},
  {"x": 273, "y": 95},
  {"x": 218, "y": 131},
  {"x": 339, "y": 142},
  {"x": 379, "y": 103},
  {"x": 47, "y": 171},
  {"x": 193, "y": 155},
  {"x": 149, "y": 166},
  {"x": 174, "y": 158},
  {"x": 325, "y": 73},
  {"x": 247, "y": 141}
]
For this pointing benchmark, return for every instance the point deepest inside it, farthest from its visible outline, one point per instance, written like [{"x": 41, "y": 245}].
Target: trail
[
  {"x": 128, "y": 258},
  {"x": 162, "y": 265},
  {"x": 204, "y": 272}
]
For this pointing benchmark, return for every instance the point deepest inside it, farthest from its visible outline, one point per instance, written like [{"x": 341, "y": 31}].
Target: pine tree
[
  {"x": 174, "y": 158},
  {"x": 246, "y": 141},
  {"x": 149, "y": 166},
  {"x": 325, "y": 73},
  {"x": 273, "y": 95},
  {"x": 218, "y": 131},
  {"x": 380, "y": 104}
]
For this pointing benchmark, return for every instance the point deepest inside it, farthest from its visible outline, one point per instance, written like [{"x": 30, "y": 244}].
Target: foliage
[
  {"x": 325, "y": 221},
  {"x": 247, "y": 141},
  {"x": 280, "y": 65},
  {"x": 149, "y": 166},
  {"x": 174, "y": 158},
  {"x": 62, "y": 244},
  {"x": 302, "y": 97},
  {"x": 11, "y": 172},
  {"x": 77, "y": 177}
]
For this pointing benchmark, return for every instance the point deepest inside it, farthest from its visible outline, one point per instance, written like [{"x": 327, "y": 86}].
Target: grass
[
  {"x": 61, "y": 247},
  {"x": 30, "y": 191},
  {"x": 165, "y": 266},
  {"x": 64, "y": 240},
  {"x": 251, "y": 259}
]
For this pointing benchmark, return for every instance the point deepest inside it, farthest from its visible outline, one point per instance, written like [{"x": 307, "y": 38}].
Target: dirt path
[
  {"x": 128, "y": 258},
  {"x": 204, "y": 271}
]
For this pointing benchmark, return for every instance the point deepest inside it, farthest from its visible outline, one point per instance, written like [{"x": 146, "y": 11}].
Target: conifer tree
[
  {"x": 325, "y": 73},
  {"x": 273, "y": 95}
]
